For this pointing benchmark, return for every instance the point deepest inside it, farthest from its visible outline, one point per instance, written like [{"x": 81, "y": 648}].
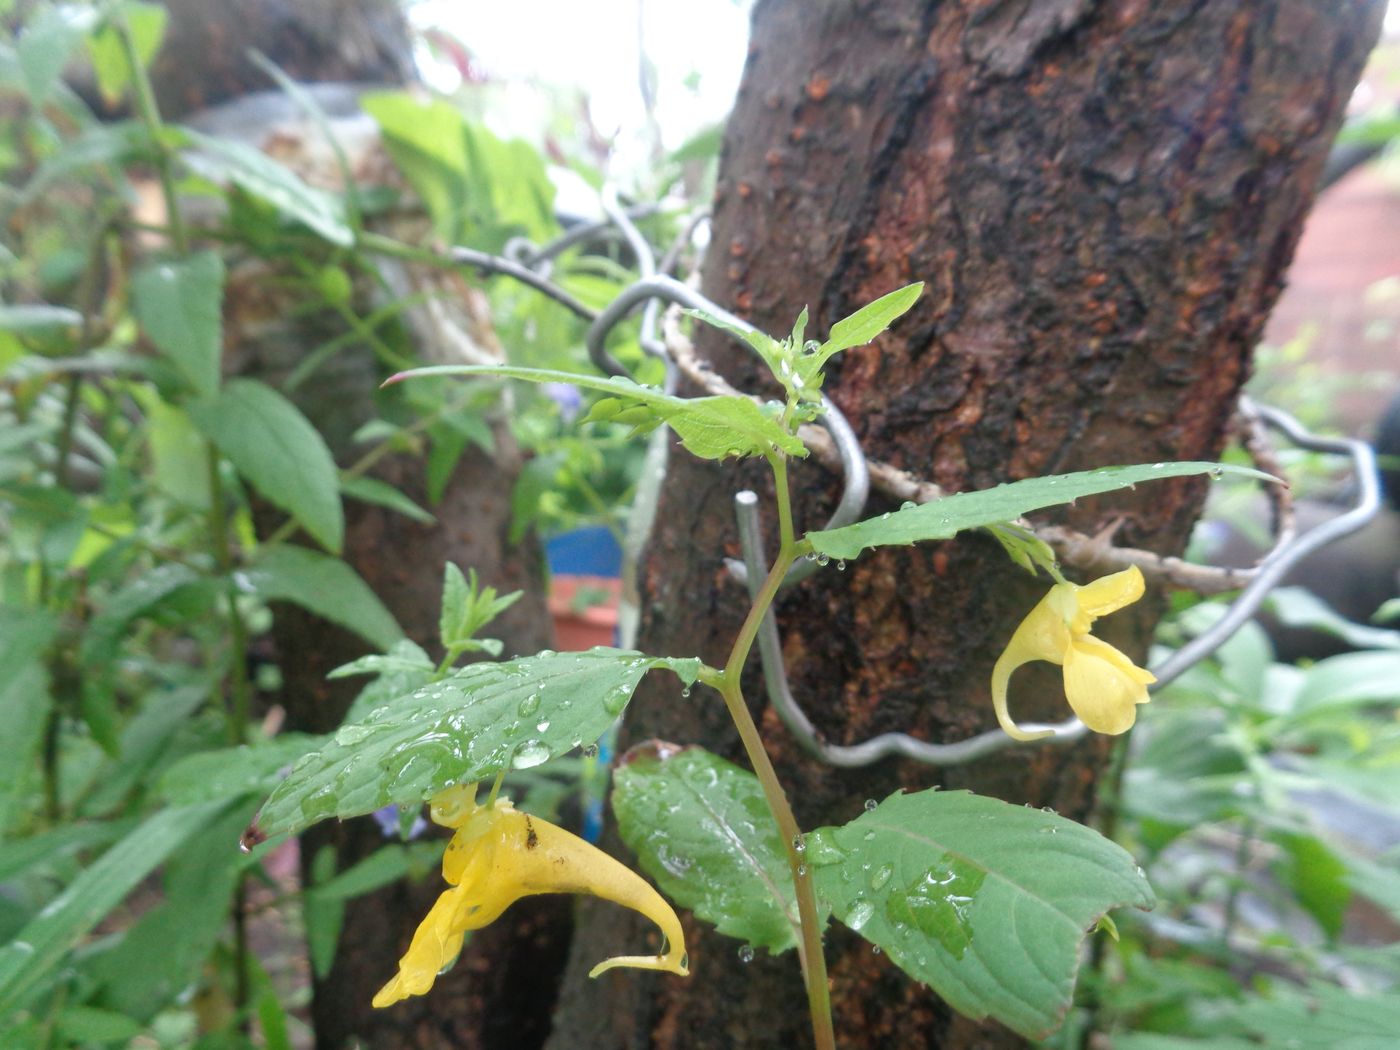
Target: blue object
[{"x": 590, "y": 551}]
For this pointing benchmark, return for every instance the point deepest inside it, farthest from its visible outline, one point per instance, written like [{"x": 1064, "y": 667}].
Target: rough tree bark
[
  {"x": 1102, "y": 199},
  {"x": 493, "y": 996}
]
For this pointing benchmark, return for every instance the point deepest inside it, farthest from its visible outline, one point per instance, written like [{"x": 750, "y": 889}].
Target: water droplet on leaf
[
  {"x": 615, "y": 700},
  {"x": 530, "y": 754},
  {"x": 859, "y": 915},
  {"x": 351, "y": 734}
]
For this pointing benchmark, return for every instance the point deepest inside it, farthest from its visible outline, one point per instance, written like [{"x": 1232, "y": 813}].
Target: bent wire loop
[
  {"x": 1266, "y": 576},
  {"x": 531, "y": 265}
]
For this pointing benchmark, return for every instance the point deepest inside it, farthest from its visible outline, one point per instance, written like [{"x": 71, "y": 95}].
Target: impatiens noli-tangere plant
[{"x": 986, "y": 902}]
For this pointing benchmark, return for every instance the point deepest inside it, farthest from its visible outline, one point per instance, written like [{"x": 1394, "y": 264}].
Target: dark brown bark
[{"x": 1102, "y": 200}]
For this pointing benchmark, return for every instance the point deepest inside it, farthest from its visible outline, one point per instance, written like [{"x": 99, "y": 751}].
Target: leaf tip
[{"x": 252, "y": 836}]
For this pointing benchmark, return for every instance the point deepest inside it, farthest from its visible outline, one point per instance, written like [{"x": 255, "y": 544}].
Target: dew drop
[
  {"x": 871, "y": 805},
  {"x": 1216, "y": 473},
  {"x": 823, "y": 559},
  {"x": 530, "y": 754},
  {"x": 859, "y": 915},
  {"x": 591, "y": 751},
  {"x": 685, "y": 692},
  {"x": 841, "y": 565},
  {"x": 615, "y": 700},
  {"x": 746, "y": 953},
  {"x": 529, "y": 705},
  {"x": 542, "y": 727},
  {"x": 351, "y": 734},
  {"x": 881, "y": 876},
  {"x": 875, "y": 949},
  {"x": 799, "y": 843},
  {"x": 802, "y": 871}
]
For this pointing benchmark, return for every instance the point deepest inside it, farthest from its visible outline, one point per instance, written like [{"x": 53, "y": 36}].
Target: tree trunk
[{"x": 1102, "y": 200}]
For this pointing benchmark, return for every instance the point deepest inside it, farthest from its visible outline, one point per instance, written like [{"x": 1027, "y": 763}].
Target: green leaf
[
  {"x": 25, "y": 634},
  {"x": 44, "y": 46},
  {"x": 701, "y": 829},
  {"x": 274, "y": 446},
  {"x": 1347, "y": 680},
  {"x": 1321, "y": 1015},
  {"x": 985, "y": 901},
  {"x": 37, "y": 317},
  {"x": 103, "y": 145},
  {"x": 1298, "y": 607},
  {"x": 947, "y": 517},
  {"x": 709, "y": 427},
  {"x": 1317, "y": 877},
  {"x": 103, "y": 636},
  {"x": 259, "y": 175},
  {"x": 179, "y": 455},
  {"x": 383, "y": 866},
  {"x": 471, "y": 725},
  {"x": 147, "y": 25},
  {"x": 467, "y": 607},
  {"x": 382, "y": 494},
  {"x": 403, "y": 655},
  {"x": 456, "y": 604},
  {"x": 25, "y": 702},
  {"x": 478, "y": 188},
  {"x": 770, "y": 350},
  {"x": 327, "y": 586},
  {"x": 44, "y": 942},
  {"x": 150, "y": 966},
  {"x": 180, "y": 305},
  {"x": 84, "y": 1025},
  {"x": 53, "y": 847},
  {"x": 869, "y": 321},
  {"x": 234, "y": 772}
]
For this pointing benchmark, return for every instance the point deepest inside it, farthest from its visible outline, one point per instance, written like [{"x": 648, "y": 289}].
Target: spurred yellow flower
[
  {"x": 1102, "y": 685},
  {"x": 499, "y": 855}
]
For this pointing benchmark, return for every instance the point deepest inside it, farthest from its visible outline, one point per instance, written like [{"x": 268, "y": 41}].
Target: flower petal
[
  {"x": 436, "y": 942},
  {"x": 1103, "y": 686},
  {"x": 1042, "y": 635},
  {"x": 1110, "y": 593},
  {"x": 499, "y": 855}
]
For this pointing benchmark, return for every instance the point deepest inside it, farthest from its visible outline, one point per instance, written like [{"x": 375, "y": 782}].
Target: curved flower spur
[
  {"x": 1102, "y": 685},
  {"x": 499, "y": 855}
]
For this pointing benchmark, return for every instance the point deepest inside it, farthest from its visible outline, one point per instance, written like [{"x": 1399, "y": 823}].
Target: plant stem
[
  {"x": 240, "y": 698},
  {"x": 810, "y": 947},
  {"x": 150, "y": 116}
]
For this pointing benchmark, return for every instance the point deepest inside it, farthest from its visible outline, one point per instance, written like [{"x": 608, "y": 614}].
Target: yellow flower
[
  {"x": 499, "y": 855},
  {"x": 1102, "y": 685}
]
